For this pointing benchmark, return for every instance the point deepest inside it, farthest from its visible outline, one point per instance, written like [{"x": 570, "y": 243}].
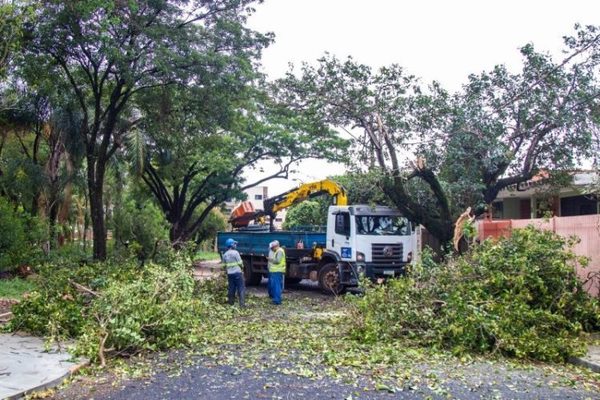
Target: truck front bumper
[{"x": 375, "y": 271}]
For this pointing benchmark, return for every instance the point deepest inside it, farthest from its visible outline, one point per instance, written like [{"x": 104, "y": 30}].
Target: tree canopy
[
  {"x": 193, "y": 161},
  {"x": 171, "y": 88},
  {"x": 10, "y": 34},
  {"x": 109, "y": 53},
  {"x": 167, "y": 99},
  {"x": 439, "y": 152}
]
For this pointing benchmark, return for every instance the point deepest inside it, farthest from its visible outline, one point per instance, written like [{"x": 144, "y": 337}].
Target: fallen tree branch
[
  {"x": 83, "y": 289},
  {"x": 101, "y": 350}
]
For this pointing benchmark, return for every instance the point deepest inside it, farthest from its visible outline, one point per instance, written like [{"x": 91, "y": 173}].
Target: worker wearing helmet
[
  {"x": 235, "y": 278},
  {"x": 276, "y": 265}
]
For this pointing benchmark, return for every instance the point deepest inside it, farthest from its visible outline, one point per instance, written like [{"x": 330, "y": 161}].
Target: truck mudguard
[{"x": 331, "y": 255}]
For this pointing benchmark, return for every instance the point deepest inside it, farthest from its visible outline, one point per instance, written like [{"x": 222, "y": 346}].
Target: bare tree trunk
[
  {"x": 64, "y": 209},
  {"x": 98, "y": 226},
  {"x": 85, "y": 222},
  {"x": 96, "y": 169}
]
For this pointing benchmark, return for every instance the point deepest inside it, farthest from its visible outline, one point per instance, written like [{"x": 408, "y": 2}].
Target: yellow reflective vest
[
  {"x": 232, "y": 261},
  {"x": 277, "y": 266}
]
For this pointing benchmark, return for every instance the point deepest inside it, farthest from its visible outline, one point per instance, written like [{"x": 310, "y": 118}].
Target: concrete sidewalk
[
  {"x": 26, "y": 366},
  {"x": 591, "y": 360}
]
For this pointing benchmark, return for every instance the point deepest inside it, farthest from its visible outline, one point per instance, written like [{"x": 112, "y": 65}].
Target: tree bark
[
  {"x": 177, "y": 234},
  {"x": 96, "y": 169},
  {"x": 441, "y": 227},
  {"x": 52, "y": 217}
]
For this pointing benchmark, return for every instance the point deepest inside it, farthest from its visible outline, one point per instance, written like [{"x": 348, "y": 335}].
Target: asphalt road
[{"x": 204, "y": 380}]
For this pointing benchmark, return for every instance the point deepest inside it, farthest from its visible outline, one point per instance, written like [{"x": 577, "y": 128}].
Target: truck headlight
[
  {"x": 409, "y": 257},
  {"x": 360, "y": 256}
]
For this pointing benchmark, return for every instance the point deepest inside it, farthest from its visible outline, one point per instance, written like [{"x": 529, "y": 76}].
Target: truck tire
[
  {"x": 329, "y": 279},
  {"x": 251, "y": 278}
]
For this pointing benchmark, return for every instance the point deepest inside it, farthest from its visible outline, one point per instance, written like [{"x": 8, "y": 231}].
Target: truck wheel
[
  {"x": 251, "y": 278},
  {"x": 329, "y": 279}
]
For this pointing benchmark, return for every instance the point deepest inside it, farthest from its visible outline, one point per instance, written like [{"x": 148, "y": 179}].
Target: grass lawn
[
  {"x": 207, "y": 255},
  {"x": 14, "y": 288}
]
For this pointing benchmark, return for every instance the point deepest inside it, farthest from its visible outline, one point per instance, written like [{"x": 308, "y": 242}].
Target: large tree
[
  {"x": 379, "y": 111},
  {"x": 111, "y": 51},
  {"x": 507, "y": 127},
  {"x": 201, "y": 141},
  {"x": 439, "y": 153}
]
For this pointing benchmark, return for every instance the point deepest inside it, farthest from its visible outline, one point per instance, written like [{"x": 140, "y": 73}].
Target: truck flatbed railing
[{"x": 308, "y": 228}]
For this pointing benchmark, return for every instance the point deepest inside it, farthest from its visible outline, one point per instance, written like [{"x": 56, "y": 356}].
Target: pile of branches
[
  {"x": 116, "y": 309},
  {"x": 518, "y": 296}
]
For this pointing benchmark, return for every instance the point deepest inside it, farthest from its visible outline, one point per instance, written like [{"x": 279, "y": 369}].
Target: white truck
[{"x": 374, "y": 241}]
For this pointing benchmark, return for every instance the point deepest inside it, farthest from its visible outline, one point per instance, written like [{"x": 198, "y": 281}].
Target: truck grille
[{"x": 386, "y": 253}]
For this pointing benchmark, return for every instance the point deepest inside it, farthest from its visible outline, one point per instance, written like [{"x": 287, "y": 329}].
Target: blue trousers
[
  {"x": 269, "y": 286},
  {"x": 275, "y": 286},
  {"x": 236, "y": 284}
]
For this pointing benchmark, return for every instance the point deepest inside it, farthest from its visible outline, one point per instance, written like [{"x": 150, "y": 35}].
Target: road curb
[
  {"x": 50, "y": 384},
  {"x": 594, "y": 366},
  {"x": 28, "y": 366},
  {"x": 591, "y": 360}
]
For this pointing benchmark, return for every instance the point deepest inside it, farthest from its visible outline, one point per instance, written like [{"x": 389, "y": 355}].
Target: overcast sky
[{"x": 432, "y": 39}]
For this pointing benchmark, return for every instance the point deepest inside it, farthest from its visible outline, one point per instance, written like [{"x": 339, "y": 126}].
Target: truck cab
[{"x": 376, "y": 241}]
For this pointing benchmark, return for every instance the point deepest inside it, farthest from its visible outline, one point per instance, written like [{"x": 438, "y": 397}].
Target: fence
[{"x": 586, "y": 227}]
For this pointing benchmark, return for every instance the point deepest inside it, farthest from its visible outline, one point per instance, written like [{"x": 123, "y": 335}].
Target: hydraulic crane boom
[
  {"x": 303, "y": 192},
  {"x": 277, "y": 203}
]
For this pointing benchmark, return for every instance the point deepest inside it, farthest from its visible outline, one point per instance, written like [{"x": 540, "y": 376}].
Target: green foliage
[
  {"x": 48, "y": 314},
  {"x": 207, "y": 255},
  {"x": 118, "y": 307},
  {"x": 12, "y": 236},
  {"x": 363, "y": 187},
  {"x": 21, "y": 178},
  {"x": 193, "y": 168},
  {"x": 500, "y": 129},
  {"x": 155, "y": 311},
  {"x": 139, "y": 227},
  {"x": 21, "y": 237},
  {"x": 307, "y": 213},
  {"x": 90, "y": 48},
  {"x": 15, "y": 288},
  {"x": 214, "y": 222},
  {"x": 10, "y": 33},
  {"x": 360, "y": 187},
  {"x": 385, "y": 103},
  {"x": 56, "y": 307},
  {"x": 519, "y": 296}
]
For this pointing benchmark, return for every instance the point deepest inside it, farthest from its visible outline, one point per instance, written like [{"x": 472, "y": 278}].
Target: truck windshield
[{"x": 382, "y": 225}]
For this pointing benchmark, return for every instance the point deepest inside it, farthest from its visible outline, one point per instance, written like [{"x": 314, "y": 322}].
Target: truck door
[{"x": 338, "y": 238}]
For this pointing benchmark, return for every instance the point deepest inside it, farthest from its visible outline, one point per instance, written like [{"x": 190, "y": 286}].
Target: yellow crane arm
[
  {"x": 305, "y": 191},
  {"x": 244, "y": 213}
]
